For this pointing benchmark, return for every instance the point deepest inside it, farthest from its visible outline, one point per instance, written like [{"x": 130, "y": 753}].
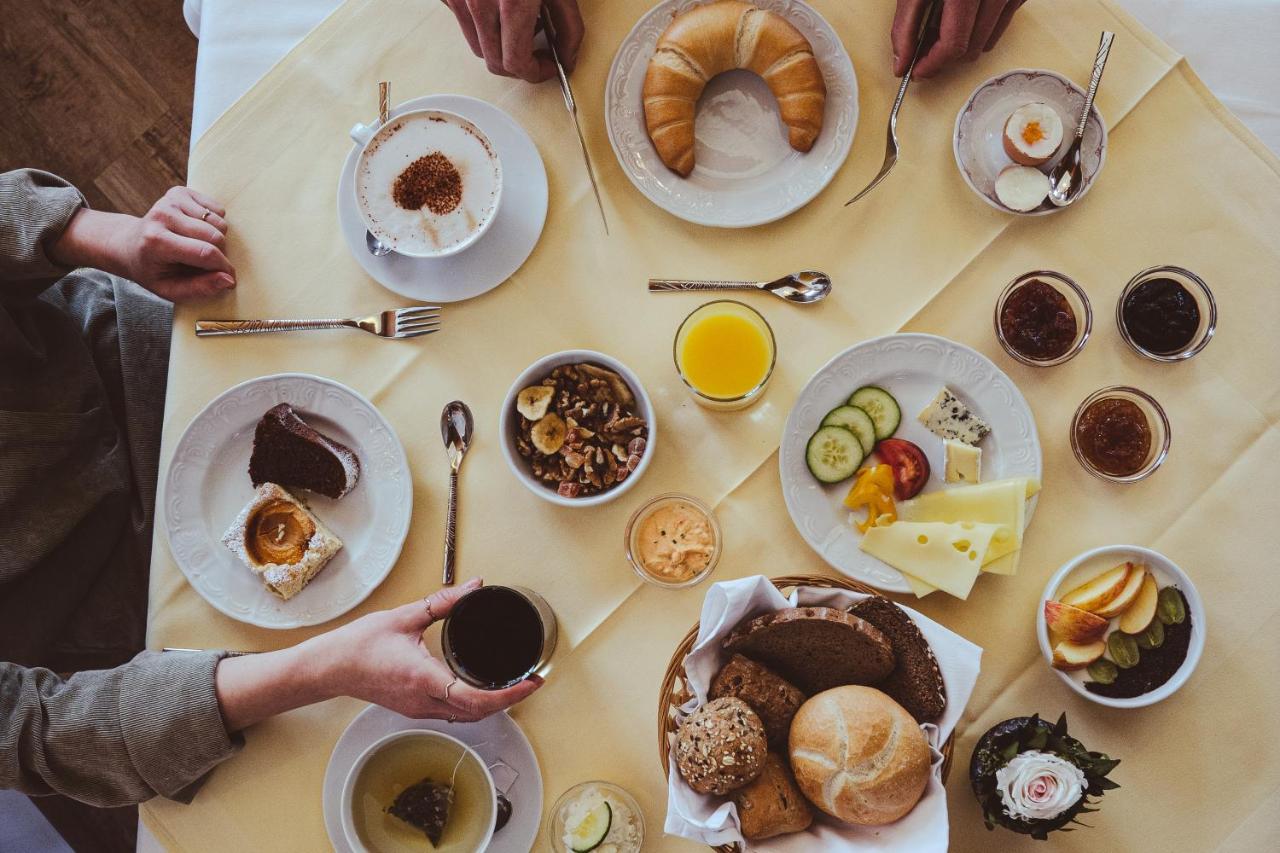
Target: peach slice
[
  {"x": 1127, "y": 595},
  {"x": 1073, "y": 624},
  {"x": 1143, "y": 609},
  {"x": 1068, "y": 655},
  {"x": 1102, "y": 590}
]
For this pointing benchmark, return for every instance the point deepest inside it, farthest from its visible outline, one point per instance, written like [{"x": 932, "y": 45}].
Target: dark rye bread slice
[
  {"x": 774, "y": 699},
  {"x": 289, "y": 452},
  {"x": 916, "y": 681},
  {"x": 815, "y": 648}
]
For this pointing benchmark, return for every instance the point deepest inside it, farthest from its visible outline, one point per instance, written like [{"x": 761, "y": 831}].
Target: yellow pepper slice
[{"x": 873, "y": 490}]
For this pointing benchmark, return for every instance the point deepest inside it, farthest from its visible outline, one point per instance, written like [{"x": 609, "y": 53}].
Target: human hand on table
[
  {"x": 175, "y": 250},
  {"x": 379, "y": 658},
  {"x": 966, "y": 29},
  {"x": 501, "y": 33}
]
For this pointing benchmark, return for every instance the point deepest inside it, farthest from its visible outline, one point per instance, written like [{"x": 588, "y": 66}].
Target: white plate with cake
[
  {"x": 502, "y": 238},
  {"x": 700, "y": 131},
  {"x": 287, "y": 501}
]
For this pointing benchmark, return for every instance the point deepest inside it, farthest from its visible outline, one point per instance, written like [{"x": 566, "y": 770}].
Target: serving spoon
[
  {"x": 456, "y": 426},
  {"x": 1067, "y": 178},
  {"x": 801, "y": 287}
]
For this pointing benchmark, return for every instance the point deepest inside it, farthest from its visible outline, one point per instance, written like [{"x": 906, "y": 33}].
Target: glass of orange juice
[{"x": 725, "y": 353}]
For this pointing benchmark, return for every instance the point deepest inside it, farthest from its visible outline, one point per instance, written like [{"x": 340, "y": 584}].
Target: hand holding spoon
[
  {"x": 801, "y": 287},
  {"x": 456, "y": 425},
  {"x": 1067, "y": 178}
]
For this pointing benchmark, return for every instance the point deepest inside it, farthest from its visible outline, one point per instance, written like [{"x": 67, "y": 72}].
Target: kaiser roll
[{"x": 859, "y": 756}]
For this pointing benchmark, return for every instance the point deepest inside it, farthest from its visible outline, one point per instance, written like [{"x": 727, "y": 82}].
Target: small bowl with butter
[{"x": 673, "y": 541}]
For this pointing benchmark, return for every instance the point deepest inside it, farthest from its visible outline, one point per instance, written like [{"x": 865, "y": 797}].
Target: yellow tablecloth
[{"x": 1184, "y": 183}]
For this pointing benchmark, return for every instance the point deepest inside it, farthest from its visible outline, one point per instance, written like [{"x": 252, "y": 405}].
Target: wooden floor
[{"x": 99, "y": 92}]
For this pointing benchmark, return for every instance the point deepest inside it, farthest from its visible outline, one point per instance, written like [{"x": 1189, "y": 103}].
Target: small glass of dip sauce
[
  {"x": 578, "y": 806},
  {"x": 1166, "y": 314},
  {"x": 1120, "y": 434},
  {"x": 1043, "y": 318},
  {"x": 673, "y": 541}
]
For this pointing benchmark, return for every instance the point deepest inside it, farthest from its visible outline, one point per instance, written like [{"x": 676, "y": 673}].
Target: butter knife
[{"x": 565, "y": 89}]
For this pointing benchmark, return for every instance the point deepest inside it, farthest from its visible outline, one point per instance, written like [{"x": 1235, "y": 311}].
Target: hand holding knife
[{"x": 571, "y": 105}]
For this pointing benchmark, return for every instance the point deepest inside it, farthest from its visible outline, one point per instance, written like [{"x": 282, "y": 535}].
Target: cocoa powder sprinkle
[{"x": 431, "y": 182}]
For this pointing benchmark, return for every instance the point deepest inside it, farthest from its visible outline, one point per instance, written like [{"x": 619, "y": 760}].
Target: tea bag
[{"x": 425, "y": 805}]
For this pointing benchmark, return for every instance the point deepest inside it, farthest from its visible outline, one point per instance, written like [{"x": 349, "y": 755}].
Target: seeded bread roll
[
  {"x": 721, "y": 746},
  {"x": 916, "y": 681},
  {"x": 815, "y": 648},
  {"x": 859, "y": 756},
  {"x": 774, "y": 699},
  {"x": 772, "y": 804}
]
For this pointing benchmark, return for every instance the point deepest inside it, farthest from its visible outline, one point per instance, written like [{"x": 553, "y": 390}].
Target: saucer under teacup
[{"x": 495, "y": 255}]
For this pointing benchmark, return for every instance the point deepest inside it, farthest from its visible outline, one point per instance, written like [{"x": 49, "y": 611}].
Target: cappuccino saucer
[{"x": 502, "y": 249}]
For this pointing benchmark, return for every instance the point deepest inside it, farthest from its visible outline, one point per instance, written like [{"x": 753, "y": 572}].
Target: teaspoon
[
  {"x": 456, "y": 425},
  {"x": 801, "y": 287},
  {"x": 376, "y": 247},
  {"x": 1067, "y": 178}
]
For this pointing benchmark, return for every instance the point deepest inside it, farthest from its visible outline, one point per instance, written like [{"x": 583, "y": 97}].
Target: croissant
[{"x": 707, "y": 40}]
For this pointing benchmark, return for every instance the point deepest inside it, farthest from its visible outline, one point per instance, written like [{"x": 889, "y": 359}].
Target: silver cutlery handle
[
  {"x": 451, "y": 529},
  {"x": 1099, "y": 63},
  {"x": 664, "y": 285},
  {"x": 208, "y": 328}
]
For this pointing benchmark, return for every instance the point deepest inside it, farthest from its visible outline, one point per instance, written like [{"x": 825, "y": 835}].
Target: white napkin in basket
[{"x": 714, "y": 820}]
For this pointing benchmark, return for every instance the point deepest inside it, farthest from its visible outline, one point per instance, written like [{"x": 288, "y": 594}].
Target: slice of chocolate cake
[
  {"x": 916, "y": 681},
  {"x": 289, "y": 452}
]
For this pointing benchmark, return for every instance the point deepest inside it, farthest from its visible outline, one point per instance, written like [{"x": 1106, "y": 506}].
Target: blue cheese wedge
[
  {"x": 947, "y": 417},
  {"x": 964, "y": 462}
]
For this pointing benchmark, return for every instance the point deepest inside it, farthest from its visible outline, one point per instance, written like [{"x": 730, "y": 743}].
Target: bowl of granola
[{"x": 577, "y": 428}]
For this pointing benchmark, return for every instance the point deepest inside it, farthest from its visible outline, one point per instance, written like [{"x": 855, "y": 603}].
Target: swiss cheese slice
[
  {"x": 1001, "y": 502},
  {"x": 947, "y": 556}
]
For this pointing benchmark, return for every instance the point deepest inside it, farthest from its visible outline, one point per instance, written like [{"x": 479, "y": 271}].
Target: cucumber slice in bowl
[
  {"x": 856, "y": 421},
  {"x": 592, "y": 829},
  {"x": 880, "y": 406},
  {"x": 833, "y": 454}
]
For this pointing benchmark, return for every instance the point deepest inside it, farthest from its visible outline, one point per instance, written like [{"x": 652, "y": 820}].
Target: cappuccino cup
[{"x": 427, "y": 183}]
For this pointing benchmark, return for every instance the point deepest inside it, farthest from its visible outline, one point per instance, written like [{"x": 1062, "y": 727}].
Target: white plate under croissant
[{"x": 749, "y": 166}]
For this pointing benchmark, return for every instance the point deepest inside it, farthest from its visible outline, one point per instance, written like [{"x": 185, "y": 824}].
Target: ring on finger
[
  {"x": 453, "y": 718},
  {"x": 430, "y": 615},
  {"x": 204, "y": 217},
  {"x": 447, "y": 688}
]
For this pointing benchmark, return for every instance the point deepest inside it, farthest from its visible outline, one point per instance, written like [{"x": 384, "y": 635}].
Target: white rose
[{"x": 1039, "y": 785}]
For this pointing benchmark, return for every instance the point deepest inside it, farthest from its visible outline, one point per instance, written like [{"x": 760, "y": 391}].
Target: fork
[
  {"x": 891, "y": 145},
  {"x": 401, "y": 323}
]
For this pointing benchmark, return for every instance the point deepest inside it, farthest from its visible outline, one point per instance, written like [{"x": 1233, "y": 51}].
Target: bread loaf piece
[
  {"x": 707, "y": 40},
  {"x": 859, "y": 756},
  {"x": 721, "y": 746},
  {"x": 916, "y": 681},
  {"x": 774, "y": 699},
  {"x": 815, "y": 648},
  {"x": 772, "y": 804}
]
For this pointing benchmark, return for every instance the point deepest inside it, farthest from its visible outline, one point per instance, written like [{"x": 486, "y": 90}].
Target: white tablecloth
[{"x": 1230, "y": 43}]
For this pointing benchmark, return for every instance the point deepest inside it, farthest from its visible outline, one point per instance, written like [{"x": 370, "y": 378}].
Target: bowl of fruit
[{"x": 1122, "y": 625}]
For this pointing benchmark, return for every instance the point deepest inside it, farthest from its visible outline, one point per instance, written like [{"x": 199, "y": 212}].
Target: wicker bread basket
[{"x": 675, "y": 688}]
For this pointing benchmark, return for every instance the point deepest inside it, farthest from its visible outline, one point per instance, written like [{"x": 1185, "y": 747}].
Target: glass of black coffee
[{"x": 497, "y": 636}]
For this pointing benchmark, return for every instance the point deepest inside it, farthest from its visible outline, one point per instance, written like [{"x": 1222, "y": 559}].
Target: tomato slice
[{"x": 910, "y": 466}]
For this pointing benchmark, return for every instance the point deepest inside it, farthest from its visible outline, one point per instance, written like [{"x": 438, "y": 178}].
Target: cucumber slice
[
  {"x": 880, "y": 405},
  {"x": 833, "y": 454},
  {"x": 856, "y": 421},
  {"x": 592, "y": 829}
]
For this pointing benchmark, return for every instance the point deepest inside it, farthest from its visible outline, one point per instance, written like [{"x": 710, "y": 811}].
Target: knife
[{"x": 571, "y": 105}]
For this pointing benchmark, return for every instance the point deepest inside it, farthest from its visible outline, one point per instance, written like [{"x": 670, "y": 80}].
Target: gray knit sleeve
[
  {"x": 35, "y": 208},
  {"x": 113, "y": 737}
]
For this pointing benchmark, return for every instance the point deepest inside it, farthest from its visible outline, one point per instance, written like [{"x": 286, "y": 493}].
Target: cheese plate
[{"x": 915, "y": 369}]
